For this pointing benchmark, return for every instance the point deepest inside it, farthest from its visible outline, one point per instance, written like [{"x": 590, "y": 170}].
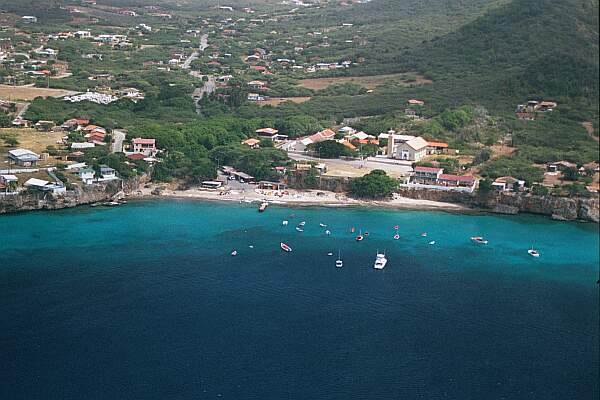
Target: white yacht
[
  {"x": 380, "y": 261},
  {"x": 339, "y": 263}
]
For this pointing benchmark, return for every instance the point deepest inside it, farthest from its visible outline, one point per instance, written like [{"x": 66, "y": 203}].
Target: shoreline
[{"x": 300, "y": 198}]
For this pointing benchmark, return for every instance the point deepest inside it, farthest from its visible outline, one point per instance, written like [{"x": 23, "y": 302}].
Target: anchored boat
[
  {"x": 285, "y": 247},
  {"x": 380, "y": 261}
]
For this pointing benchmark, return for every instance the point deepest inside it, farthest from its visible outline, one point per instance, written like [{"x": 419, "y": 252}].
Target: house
[
  {"x": 346, "y": 131},
  {"x": 23, "y": 157},
  {"x": 270, "y": 133},
  {"x": 8, "y": 183},
  {"x": 508, "y": 183},
  {"x": 224, "y": 79},
  {"x": 256, "y": 85},
  {"x": 107, "y": 174},
  {"x": 81, "y": 146},
  {"x": 437, "y": 147},
  {"x": 415, "y": 102},
  {"x": 426, "y": 175},
  {"x": 252, "y": 143},
  {"x": 87, "y": 175},
  {"x": 44, "y": 126},
  {"x": 21, "y": 123},
  {"x": 96, "y": 137},
  {"x": 561, "y": 166},
  {"x": 347, "y": 144},
  {"x": 405, "y": 147},
  {"x": 82, "y": 34},
  {"x": 74, "y": 124},
  {"x": 131, "y": 93},
  {"x": 255, "y": 97},
  {"x": 29, "y": 19},
  {"x": 136, "y": 156},
  {"x": 544, "y": 106},
  {"x": 457, "y": 180},
  {"x": 252, "y": 58},
  {"x": 40, "y": 184},
  {"x": 144, "y": 146}
]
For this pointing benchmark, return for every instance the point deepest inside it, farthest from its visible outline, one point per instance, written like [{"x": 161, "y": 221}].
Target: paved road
[
  {"x": 118, "y": 138},
  {"x": 196, "y": 53},
  {"x": 356, "y": 166}
]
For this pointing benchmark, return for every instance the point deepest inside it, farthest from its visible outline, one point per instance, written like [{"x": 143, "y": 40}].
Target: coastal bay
[{"x": 144, "y": 301}]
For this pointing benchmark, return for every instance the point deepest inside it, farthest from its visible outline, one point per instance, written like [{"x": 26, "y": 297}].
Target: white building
[
  {"x": 406, "y": 147},
  {"x": 29, "y": 19}
]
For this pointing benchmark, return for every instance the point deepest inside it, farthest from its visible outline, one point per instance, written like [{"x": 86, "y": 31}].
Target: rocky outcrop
[
  {"x": 28, "y": 200},
  {"x": 559, "y": 208}
]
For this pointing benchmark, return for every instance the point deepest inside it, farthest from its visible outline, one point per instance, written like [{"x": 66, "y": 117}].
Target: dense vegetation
[{"x": 375, "y": 185}]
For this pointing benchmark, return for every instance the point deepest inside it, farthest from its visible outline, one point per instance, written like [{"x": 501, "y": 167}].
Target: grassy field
[
  {"x": 11, "y": 93},
  {"x": 275, "y": 101},
  {"x": 368, "y": 82},
  {"x": 29, "y": 139}
]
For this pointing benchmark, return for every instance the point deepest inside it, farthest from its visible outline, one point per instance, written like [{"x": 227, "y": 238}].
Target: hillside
[
  {"x": 546, "y": 47},
  {"x": 513, "y": 52}
]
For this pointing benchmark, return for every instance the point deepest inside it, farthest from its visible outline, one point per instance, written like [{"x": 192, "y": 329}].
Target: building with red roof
[{"x": 145, "y": 146}]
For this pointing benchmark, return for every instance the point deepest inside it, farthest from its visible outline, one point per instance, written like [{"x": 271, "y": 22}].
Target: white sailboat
[{"x": 533, "y": 252}]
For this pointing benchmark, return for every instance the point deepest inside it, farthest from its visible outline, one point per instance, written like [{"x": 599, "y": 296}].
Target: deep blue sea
[{"x": 144, "y": 301}]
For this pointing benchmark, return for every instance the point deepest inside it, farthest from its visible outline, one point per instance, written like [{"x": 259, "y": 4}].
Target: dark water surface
[{"x": 144, "y": 302}]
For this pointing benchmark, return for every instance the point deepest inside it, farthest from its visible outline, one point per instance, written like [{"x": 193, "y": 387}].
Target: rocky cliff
[
  {"x": 36, "y": 200},
  {"x": 559, "y": 208}
]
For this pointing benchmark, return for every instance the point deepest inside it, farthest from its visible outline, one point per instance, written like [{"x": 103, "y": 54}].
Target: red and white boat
[
  {"x": 479, "y": 239},
  {"x": 360, "y": 236},
  {"x": 285, "y": 247}
]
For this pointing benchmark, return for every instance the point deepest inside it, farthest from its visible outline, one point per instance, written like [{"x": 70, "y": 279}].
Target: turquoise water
[{"x": 144, "y": 301}]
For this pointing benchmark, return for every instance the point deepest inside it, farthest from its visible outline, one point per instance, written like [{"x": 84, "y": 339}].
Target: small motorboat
[
  {"x": 299, "y": 229},
  {"x": 284, "y": 223},
  {"x": 366, "y": 233},
  {"x": 339, "y": 263},
  {"x": 360, "y": 237},
  {"x": 327, "y": 232},
  {"x": 285, "y": 247},
  {"x": 396, "y": 236},
  {"x": 263, "y": 206},
  {"x": 424, "y": 234},
  {"x": 330, "y": 254},
  {"x": 432, "y": 243},
  {"x": 112, "y": 203},
  {"x": 534, "y": 253},
  {"x": 234, "y": 253},
  {"x": 302, "y": 223},
  {"x": 396, "y": 227},
  {"x": 352, "y": 230},
  {"x": 322, "y": 225},
  {"x": 250, "y": 247},
  {"x": 479, "y": 239},
  {"x": 380, "y": 261}
]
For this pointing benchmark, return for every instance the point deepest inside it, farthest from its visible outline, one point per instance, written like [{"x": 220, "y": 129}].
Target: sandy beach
[{"x": 296, "y": 198}]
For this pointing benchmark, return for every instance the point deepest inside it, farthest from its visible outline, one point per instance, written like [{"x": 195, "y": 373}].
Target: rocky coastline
[{"x": 557, "y": 208}]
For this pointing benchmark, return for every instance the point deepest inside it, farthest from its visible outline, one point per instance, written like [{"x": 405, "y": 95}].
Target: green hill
[{"x": 546, "y": 47}]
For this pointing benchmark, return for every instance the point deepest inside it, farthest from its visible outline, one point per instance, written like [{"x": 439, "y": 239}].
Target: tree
[
  {"x": 485, "y": 187},
  {"x": 482, "y": 156},
  {"x": 374, "y": 185},
  {"x": 329, "y": 149}
]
